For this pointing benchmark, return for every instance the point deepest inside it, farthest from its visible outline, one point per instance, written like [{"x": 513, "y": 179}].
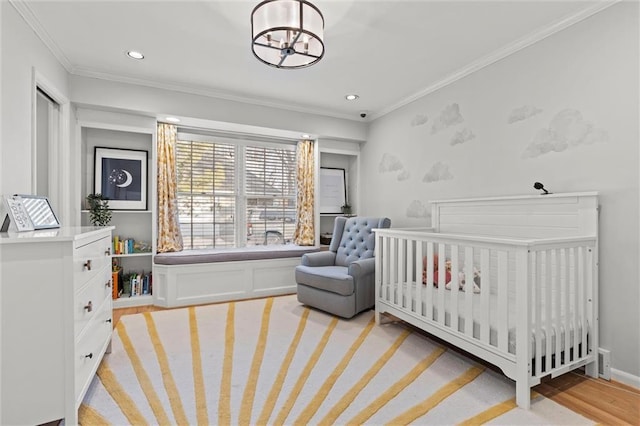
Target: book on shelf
[
  {"x": 129, "y": 246},
  {"x": 136, "y": 284}
]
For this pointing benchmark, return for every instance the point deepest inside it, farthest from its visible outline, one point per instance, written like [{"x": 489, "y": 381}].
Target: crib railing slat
[
  {"x": 581, "y": 299},
  {"x": 378, "y": 263},
  {"x": 418, "y": 274},
  {"x": 576, "y": 303},
  {"x": 485, "y": 289},
  {"x": 548, "y": 313},
  {"x": 537, "y": 308},
  {"x": 429, "y": 286},
  {"x": 557, "y": 317},
  {"x": 468, "y": 290},
  {"x": 441, "y": 278},
  {"x": 402, "y": 287},
  {"x": 385, "y": 269},
  {"x": 455, "y": 266},
  {"x": 393, "y": 256},
  {"x": 503, "y": 301},
  {"x": 592, "y": 309},
  {"x": 566, "y": 288}
]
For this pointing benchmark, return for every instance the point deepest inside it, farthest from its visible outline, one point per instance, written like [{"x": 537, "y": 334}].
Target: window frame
[{"x": 240, "y": 143}]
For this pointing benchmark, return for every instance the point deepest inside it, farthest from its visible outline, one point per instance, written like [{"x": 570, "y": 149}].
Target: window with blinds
[
  {"x": 270, "y": 194},
  {"x": 235, "y": 194},
  {"x": 206, "y": 194}
]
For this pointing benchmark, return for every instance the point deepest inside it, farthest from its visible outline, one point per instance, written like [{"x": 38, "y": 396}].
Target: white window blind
[
  {"x": 233, "y": 193},
  {"x": 206, "y": 194},
  {"x": 270, "y": 193}
]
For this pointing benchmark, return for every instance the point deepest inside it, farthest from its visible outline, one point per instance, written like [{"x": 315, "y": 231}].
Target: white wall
[
  {"x": 589, "y": 71},
  {"x": 22, "y": 52},
  {"x": 153, "y": 101}
]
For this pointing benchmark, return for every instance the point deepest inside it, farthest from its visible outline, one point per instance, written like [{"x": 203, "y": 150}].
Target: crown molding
[
  {"x": 501, "y": 53},
  {"x": 205, "y": 91},
  {"x": 30, "y": 18}
]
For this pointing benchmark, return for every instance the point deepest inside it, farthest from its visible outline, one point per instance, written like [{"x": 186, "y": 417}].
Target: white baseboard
[{"x": 626, "y": 378}]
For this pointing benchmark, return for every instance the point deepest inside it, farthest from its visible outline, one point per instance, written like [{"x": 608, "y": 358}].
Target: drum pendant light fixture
[{"x": 287, "y": 33}]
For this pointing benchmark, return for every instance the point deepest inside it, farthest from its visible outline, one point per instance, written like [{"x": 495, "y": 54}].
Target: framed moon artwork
[{"x": 121, "y": 176}]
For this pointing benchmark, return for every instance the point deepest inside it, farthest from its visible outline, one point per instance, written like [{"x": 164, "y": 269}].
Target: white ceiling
[{"x": 388, "y": 52}]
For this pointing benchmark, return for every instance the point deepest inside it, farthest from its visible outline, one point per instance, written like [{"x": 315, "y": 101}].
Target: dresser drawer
[
  {"x": 89, "y": 300},
  {"x": 89, "y": 259},
  {"x": 90, "y": 349}
]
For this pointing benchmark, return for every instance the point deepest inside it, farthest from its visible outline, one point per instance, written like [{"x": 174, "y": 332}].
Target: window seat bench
[{"x": 193, "y": 277}]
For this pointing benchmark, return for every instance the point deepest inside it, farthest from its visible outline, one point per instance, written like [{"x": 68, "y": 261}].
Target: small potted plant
[{"x": 99, "y": 213}]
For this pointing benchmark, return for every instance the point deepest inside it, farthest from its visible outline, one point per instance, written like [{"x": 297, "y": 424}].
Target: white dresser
[{"x": 55, "y": 320}]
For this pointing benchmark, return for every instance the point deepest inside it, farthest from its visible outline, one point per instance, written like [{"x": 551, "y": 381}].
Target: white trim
[
  {"x": 519, "y": 197},
  {"x": 25, "y": 11},
  {"x": 30, "y": 18},
  {"x": 206, "y": 91},
  {"x": 128, "y": 302},
  {"x": 503, "y": 52},
  {"x": 626, "y": 378}
]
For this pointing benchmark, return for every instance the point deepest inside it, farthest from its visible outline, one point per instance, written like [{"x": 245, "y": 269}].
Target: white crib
[{"x": 535, "y": 313}]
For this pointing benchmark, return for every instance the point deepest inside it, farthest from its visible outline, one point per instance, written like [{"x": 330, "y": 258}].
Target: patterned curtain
[
  {"x": 169, "y": 237},
  {"x": 304, "y": 234}
]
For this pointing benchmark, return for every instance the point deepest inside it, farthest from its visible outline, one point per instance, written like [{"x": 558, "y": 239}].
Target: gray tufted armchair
[{"x": 341, "y": 281}]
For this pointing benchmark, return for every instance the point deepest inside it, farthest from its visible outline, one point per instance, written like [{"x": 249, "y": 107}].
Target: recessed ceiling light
[
  {"x": 172, "y": 119},
  {"x": 134, "y": 54},
  {"x": 351, "y": 97},
  {"x": 305, "y": 136}
]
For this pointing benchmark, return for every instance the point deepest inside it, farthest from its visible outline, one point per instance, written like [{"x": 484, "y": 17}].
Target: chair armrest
[
  {"x": 362, "y": 267},
  {"x": 320, "y": 258}
]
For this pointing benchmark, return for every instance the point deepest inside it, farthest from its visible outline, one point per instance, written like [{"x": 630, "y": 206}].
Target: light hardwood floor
[{"x": 604, "y": 402}]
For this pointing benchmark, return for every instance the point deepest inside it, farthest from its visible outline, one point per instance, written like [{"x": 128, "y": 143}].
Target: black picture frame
[
  {"x": 333, "y": 190},
  {"x": 120, "y": 175}
]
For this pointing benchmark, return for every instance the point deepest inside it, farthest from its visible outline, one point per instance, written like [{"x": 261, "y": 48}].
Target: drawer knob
[
  {"x": 108, "y": 252},
  {"x": 87, "y": 265},
  {"x": 89, "y": 355},
  {"x": 108, "y": 284},
  {"x": 89, "y": 306}
]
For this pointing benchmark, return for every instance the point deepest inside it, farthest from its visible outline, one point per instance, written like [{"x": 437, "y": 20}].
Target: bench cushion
[{"x": 187, "y": 257}]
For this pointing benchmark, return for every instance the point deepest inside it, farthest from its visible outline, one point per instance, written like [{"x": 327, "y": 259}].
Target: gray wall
[
  {"x": 563, "y": 111},
  {"x": 22, "y": 54}
]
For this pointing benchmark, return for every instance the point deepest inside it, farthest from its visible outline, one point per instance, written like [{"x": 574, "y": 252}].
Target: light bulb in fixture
[
  {"x": 135, "y": 54},
  {"x": 351, "y": 97}
]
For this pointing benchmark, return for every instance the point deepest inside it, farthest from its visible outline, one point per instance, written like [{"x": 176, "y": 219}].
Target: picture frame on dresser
[{"x": 121, "y": 176}]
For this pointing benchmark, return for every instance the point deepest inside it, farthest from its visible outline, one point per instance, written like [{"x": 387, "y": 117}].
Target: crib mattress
[{"x": 493, "y": 321}]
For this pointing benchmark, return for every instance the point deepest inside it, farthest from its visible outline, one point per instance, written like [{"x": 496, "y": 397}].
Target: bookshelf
[{"x": 122, "y": 131}]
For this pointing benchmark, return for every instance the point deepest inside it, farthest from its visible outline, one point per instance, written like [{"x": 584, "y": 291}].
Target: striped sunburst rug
[{"x": 274, "y": 361}]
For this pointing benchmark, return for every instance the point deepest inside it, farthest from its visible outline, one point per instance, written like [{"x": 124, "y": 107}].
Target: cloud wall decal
[
  {"x": 418, "y": 209},
  {"x": 567, "y": 129},
  {"x": 438, "y": 172},
  {"x": 419, "y": 120},
  {"x": 462, "y": 136},
  {"x": 404, "y": 175},
  {"x": 523, "y": 113},
  {"x": 389, "y": 163},
  {"x": 449, "y": 116}
]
